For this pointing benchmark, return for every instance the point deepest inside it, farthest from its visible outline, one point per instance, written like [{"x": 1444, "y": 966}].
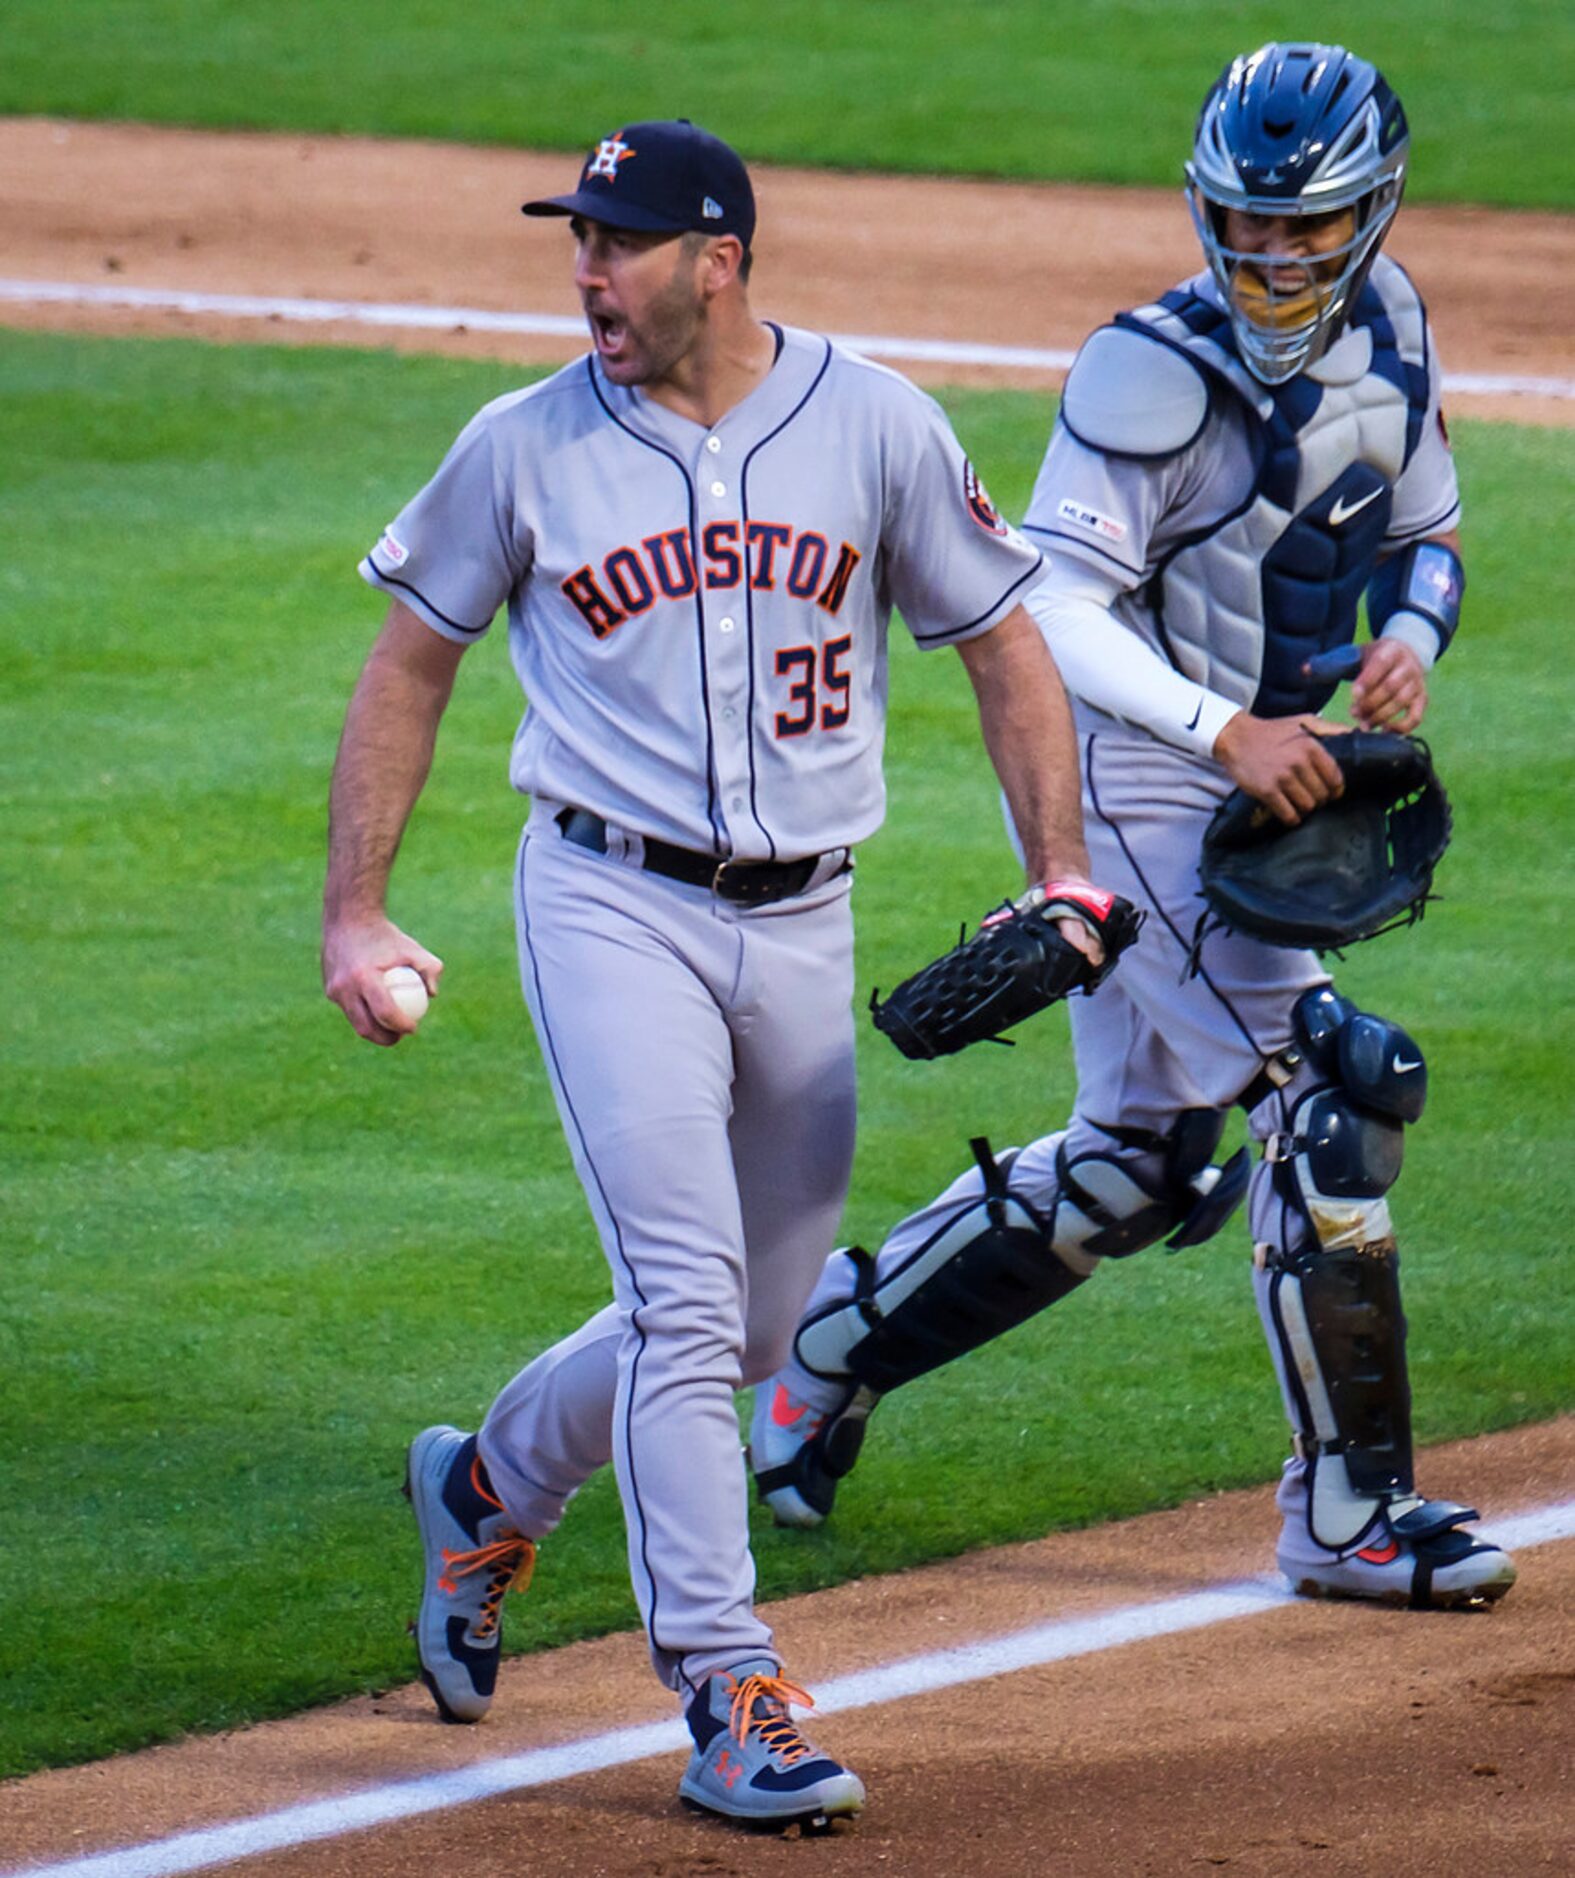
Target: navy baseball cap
[{"x": 666, "y": 177}]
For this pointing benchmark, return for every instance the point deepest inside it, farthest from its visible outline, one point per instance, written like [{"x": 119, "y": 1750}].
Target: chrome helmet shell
[{"x": 1293, "y": 130}]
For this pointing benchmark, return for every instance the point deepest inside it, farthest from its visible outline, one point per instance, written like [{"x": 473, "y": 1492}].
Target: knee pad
[
  {"x": 1110, "y": 1206},
  {"x": 1373, "y": 1059},
  {"x": 1342, "y": 1153},
  {"x": 1334, "y": 1302}
]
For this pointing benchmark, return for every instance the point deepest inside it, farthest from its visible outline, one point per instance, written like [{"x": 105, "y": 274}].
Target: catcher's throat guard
[
  {"x": 1354, "y": 867},
  {"x": 1015, "y": 965}
]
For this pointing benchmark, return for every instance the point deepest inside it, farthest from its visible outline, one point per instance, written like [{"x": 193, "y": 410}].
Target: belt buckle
[{"x": 731, "y": 882}]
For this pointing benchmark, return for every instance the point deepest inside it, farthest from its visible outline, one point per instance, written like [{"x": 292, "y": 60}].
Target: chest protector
[{"x": 1240, "y": 607}]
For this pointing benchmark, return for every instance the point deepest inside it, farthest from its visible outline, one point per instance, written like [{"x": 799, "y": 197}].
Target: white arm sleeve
[
  {"x": 1412, "y": 630},
  {"x": 1109, "y": 666}
]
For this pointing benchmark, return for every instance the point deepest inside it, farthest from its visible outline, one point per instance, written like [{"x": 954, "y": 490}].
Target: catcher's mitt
[
  {"x": 1354, "y": 867},
  {"x": 1016, "y": 964}
]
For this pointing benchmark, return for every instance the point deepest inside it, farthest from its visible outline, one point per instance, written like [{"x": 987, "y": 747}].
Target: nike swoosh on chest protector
[{"x": 1341, "y": 513}]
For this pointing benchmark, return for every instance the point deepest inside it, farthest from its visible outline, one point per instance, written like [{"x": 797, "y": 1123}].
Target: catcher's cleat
[
  {"x": 798, "y": 1453},
  {"x": 751, "y": 1764},
  {"x": 1418, "y": 1557},
  {"x": 473, "y": 1556}
]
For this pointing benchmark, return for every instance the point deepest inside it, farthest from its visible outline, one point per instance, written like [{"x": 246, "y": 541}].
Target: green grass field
[
  {"x": 1101, "y": 90},
  {"x": 248, "y": 1256}
]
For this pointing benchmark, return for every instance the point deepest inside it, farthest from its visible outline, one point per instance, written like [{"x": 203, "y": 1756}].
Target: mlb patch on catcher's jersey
[
  {"x": 1092, "y": 520},
  {"x": 393, "y": 549},
  {"x": 980, "y": 507}
]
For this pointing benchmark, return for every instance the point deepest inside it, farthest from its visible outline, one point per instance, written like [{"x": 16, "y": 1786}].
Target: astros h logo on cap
[
  {"x": 610, "y": 152},
  {"x": 664, "y": 177}
]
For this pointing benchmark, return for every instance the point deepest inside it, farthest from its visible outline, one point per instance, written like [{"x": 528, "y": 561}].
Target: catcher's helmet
[{"x": 1294, "y": 130}]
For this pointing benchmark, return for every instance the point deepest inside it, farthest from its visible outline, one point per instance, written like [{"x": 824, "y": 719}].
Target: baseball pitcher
[{"x": 698, "y": 533}]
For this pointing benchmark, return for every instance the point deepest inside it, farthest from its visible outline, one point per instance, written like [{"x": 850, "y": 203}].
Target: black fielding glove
[
  {"x": 1015, "y": 965},
  {"x": 1353, "y": 867}
]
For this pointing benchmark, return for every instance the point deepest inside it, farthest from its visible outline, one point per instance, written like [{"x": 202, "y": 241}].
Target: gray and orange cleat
[
  {"x": 473, "y": 1557},
  {"x": 752, "y": 1765},
  {"x": 1415, "y": 1554}
]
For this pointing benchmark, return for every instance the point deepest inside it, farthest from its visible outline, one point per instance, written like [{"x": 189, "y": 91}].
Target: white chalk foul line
[
  {"x": 561, "y": 326},
  {"x": 914, "y": 1675},
  {"x": 263, "y": 307}
]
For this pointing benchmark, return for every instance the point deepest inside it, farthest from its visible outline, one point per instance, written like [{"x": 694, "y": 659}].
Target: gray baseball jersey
[{"x": 698, "y": 618}]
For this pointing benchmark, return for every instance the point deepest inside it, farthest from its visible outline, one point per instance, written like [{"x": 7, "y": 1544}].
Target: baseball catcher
[{"x": 1238, "y": 469}]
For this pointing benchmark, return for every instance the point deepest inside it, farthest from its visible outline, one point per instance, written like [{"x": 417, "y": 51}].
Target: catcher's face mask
[
  {"x": 1308, "y": 141},
  {"x": 1285, "y": 268}
]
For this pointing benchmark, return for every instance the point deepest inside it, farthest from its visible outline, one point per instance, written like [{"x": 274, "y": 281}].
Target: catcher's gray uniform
[
  {"x": 1217, "y": 533},
  {"x": 698, "y": 618}
]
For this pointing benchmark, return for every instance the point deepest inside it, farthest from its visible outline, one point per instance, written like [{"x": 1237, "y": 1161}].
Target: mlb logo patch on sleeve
[
  {"x": 1091, "y": 519},
  {"x": 392, "y": 549}
]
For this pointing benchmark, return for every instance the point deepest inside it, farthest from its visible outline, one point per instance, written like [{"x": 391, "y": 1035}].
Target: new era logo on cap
[{"x": 665, "y": 177}]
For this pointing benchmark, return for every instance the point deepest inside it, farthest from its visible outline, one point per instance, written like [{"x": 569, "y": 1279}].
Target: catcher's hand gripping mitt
[
  {"x": 1354, "y": 867},
  {"x": 1014, "y": 965}
]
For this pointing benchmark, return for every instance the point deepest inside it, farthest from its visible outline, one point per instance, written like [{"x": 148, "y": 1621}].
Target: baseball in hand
[{"x": 407, "y": 989}]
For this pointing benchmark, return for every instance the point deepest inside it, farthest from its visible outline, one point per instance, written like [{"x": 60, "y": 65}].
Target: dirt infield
[
  {"x": 1340, "y": 1741},
  {"x": 1007, "y": 264}
]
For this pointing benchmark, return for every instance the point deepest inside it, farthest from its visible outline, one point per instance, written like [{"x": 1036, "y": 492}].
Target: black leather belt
[{"x": 745, "y": 883}]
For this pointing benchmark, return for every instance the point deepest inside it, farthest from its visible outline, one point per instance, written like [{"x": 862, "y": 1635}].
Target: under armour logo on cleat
[{"x": 728, "y": 1769}]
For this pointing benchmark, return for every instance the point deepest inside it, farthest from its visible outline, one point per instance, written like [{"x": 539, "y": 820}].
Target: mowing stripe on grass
[
  {"x": 915, "y": 1675},
  {"x": 563, "y": 326}
]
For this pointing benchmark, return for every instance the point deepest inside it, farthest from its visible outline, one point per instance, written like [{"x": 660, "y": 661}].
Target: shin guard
[{"x": 988, "y": 1269}]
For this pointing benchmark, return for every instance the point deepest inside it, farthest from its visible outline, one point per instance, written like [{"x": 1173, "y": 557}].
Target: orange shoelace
[
  {"x": 511, "y": 1559},
  {"x": 774, "y": 1728}
]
